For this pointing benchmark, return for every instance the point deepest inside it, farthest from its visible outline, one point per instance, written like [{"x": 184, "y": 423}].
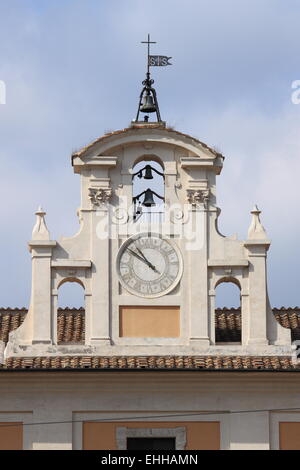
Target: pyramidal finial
[
  {"x": 256, "y": 230},
  {"x": 255, "y": 210},
  {"x": 40, "y": 211},
  {"x": 40, "y": 230}
]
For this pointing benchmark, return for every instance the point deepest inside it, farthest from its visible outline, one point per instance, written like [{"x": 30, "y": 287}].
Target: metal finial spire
[
  {"x": 148, "y": 58},
  {"x": 148, "y": 94}
]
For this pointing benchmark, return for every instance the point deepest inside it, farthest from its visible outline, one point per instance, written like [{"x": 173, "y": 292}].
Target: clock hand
[
  {"x": 150, "y": 264},
  {"x": 143, "y": 259},
  {"x": 155, "y": 270},
  {"x": 142, "y": 254},
  {"x": 138, "y": 256}
]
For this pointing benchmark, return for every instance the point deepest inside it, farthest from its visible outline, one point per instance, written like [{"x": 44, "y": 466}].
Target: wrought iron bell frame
[
  {"x": 147, "y": 191},
  {"x": 150, "y": 91},
  {"x": 140, "y": 172}
]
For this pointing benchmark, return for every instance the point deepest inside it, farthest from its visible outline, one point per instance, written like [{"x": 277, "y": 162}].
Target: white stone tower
[
  {"x": 179, "y": 316},
  {"x": 149, "y": 278}
]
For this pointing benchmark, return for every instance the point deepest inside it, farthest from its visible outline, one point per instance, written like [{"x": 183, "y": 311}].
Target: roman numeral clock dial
[{"x": 149, "y": 266}]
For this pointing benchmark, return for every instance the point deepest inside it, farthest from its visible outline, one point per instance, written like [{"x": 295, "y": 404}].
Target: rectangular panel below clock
[{"x": 149, "y": 322}]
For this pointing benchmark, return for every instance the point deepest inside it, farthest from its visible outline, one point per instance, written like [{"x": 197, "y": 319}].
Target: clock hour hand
[
  {"x": 138, "y": 256},
  {"x": 150, "y": 264},
  {"x": 143, "y": 259},
  {"x": 142, "y": 254}
]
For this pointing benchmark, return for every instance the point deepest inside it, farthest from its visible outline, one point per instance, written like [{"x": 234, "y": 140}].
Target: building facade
[{"x": 149, "y": 361}]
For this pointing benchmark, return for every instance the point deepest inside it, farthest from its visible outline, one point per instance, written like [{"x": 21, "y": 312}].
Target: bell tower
[
  {"x": 148, "y": 100},
  {"x": 149, "y": 275}
]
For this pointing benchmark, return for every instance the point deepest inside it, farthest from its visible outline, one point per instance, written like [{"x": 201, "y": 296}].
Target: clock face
[{"x": 149, "y": 266}]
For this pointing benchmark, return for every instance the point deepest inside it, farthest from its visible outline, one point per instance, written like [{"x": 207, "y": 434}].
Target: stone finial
[
  {"x": 40, "y": 230},
  {"x": 256, "y": 231}
]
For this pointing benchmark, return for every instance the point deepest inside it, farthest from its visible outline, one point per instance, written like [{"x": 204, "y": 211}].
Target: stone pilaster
[{"x": 257, "y": 322}]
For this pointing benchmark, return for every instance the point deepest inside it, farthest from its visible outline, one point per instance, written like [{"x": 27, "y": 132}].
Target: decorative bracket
[{"x": 100, "y": 196}]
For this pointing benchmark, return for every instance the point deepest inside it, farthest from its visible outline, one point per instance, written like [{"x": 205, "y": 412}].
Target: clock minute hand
[
  {"x": 150, "y": 264},
  {"x": 139, "y": 257},
  {"x": 143, "y": 259},
  {"x": 142, "y": 254}
]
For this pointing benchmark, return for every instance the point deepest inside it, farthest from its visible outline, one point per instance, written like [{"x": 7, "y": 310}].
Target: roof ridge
[
  {"x": 218, "y": 309},
  {"x": 14, "y": 309},
  {"x": 25, "y": 309}
]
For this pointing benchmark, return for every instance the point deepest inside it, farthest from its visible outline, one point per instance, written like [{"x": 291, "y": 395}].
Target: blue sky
[{"x": 73, "y": 70}]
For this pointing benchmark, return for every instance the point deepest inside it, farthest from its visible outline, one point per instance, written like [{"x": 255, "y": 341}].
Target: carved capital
[
  {"x": 198, "y": 196},
  {"x": 99, "y": 196}
]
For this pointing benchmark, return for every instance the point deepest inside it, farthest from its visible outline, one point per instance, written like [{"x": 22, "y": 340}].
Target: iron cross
[{"x": 148, "y": 42}]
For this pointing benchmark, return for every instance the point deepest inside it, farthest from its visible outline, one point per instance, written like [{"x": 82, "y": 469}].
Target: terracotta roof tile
[
  {"x": 10, "y": 319},
  {"x": 71, "y": 323},
  {"x": 228, "y": 325},
  {"x": 71, "y": 330},
  {"x": 70, "y": 326},
  {"x": 253, "y": 363}
]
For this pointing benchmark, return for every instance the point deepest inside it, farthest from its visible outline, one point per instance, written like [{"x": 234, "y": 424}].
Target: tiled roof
[
  {"x": 289, "y": 318},
  {"x": 250, "y": 363},
  {"x": 70, "y": 326},
  {"x": 228, "y": 323},
  {"x": 10, "y": 319},
  {"x": 71, "y": 330},
  {"x": 71, "y": 323}
]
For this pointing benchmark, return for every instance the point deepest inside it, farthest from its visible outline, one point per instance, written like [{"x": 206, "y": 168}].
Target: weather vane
[{"x": 148, "y": 100}]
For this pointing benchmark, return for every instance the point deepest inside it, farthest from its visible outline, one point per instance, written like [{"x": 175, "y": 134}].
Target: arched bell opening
[
  {"x": 71, "y": 312},
  {"x": 148, "y": 188},
  {"x": 228, "y": 314},
  {"x": 149, "y": 159}
]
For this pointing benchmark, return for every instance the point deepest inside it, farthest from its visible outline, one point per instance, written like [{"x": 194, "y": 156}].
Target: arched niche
[
  {"x": 148, "y": 184},
  {"x": 71, "y": 312},
  {"x": 228, "y": 314}
]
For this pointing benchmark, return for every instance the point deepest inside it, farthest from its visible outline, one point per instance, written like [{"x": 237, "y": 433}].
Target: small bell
[
  {"x": 148, "y": 173},
  {"x": 148, "y": 200},
  {"x": 148, "y": 105}
]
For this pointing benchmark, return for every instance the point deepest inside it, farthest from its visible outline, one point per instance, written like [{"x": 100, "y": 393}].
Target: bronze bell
[
  {"x": 148, "y": 105},
  {"x": 148, "y": 173},
  {"x": 148, "y": 201}
]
